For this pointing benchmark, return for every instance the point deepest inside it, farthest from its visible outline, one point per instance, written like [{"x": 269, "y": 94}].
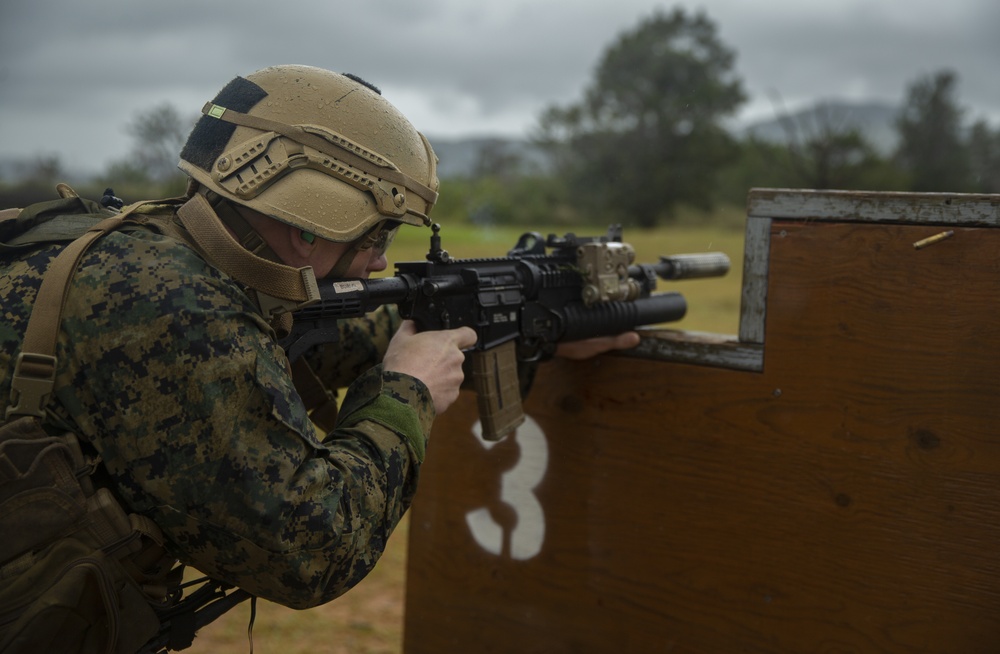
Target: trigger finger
[
  {"x": 407, "y": 327},
  {"x": 465, "y": 337}
]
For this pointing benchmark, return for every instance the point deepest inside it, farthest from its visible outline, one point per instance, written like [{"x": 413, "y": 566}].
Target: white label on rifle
[
  {"x": 348, "y": 287},
  {"x": 517, "y": 490}
]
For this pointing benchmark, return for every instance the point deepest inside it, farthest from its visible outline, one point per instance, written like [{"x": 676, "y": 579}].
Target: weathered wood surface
[
  {"x": 843, "y": 499},
  {"x": 924, "y": 208}
]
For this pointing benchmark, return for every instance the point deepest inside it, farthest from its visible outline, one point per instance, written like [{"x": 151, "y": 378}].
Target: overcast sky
[{"x": 74, "y": 73}]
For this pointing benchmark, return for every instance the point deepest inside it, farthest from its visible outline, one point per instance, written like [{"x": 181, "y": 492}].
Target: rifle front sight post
[{"x": 436, "y": 254}]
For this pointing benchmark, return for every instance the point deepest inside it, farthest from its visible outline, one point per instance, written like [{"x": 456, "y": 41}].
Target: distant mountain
[
  {"x": 875, "y": 121},
  {"x": 464, "y": 157}
]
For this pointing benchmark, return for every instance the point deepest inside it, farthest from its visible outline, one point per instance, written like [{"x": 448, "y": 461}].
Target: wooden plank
[
  {"x": 753, "y": 300},
  {"x": 913, "y": 208},
  {"x": 842, "y": 498},
  {"x": 699, "y": 348}
]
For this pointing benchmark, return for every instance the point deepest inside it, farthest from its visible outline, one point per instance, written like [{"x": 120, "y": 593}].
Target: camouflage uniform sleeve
[
  {"x": 166, "y": 366},
  {"x": 362, "y": 344}
]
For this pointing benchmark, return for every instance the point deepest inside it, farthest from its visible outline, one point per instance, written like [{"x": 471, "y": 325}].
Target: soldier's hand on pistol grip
[{"x": 433, "y": 357}]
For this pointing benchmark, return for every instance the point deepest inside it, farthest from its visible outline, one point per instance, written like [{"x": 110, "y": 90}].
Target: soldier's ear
[{"x": 301, "y": 242}]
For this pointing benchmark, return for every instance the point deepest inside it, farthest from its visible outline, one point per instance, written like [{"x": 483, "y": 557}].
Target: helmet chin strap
[
  {"x": 248, "y": 237},
  {"x": 255, "y": 244},
  {"x": 279, "y": 288}
]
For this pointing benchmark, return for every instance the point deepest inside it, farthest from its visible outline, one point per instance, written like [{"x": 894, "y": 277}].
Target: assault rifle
[{"x": 544, "y": 291}]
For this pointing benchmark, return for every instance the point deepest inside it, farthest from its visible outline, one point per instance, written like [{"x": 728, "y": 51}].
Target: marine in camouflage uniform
[{"x": 170, "y": 370}]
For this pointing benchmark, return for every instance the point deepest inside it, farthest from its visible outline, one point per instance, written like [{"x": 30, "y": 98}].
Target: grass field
[{"x": 369, "y": 618}]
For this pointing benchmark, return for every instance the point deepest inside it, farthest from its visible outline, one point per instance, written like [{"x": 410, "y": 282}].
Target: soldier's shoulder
[{"x": 158, "y": 269}]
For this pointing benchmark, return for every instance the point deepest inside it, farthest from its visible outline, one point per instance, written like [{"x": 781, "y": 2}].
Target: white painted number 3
[{"x": 517, "y": 489}]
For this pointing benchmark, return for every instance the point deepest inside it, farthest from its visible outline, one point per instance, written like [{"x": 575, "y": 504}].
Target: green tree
[
  {"x": 824, "y": 151},
  {"x": 984, "y": 158},
  {"x": 496, "y": 159},
  {"x": 150, "y": 169},
  {"x": 528, "y": 200},
  {"x": 158, "y": 135},
  {"x": 647, "y": 136},
  {"x": 931, "y": 148},
  {"x": 42, "y": 169},
  {"x": 32, "y": 180}
]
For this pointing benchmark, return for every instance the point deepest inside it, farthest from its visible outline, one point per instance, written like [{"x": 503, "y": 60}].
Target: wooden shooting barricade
[{"x": 826, "y": 481}]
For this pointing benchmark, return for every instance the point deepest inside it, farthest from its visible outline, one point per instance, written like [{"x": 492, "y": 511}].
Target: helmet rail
[{"x": 390, "y": 201}]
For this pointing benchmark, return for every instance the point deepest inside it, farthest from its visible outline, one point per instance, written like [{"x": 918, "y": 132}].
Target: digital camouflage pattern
[
  {"x": 168, "y": 369},
  {"x": 362, "y": 343}
]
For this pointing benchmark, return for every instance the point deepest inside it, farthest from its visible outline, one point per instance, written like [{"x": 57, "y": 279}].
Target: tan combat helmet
[{"x": 320, "y": 151}]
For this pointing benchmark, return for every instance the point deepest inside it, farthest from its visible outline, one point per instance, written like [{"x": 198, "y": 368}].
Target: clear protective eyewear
[{"x": 378, "y": 238}]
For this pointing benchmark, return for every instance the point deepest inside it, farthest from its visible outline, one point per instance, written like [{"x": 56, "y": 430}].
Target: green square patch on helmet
[{"x": 321, "y": 151}]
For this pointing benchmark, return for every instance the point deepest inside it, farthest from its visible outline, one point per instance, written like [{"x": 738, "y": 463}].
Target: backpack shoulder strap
[{"x": 35, "y": 368}]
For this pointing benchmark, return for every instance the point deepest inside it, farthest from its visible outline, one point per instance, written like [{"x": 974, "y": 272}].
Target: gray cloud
[{"x": 73, "y": 74}]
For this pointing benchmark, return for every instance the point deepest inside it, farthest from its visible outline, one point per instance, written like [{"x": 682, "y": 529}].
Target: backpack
[{"x": 78, "y": 572}]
